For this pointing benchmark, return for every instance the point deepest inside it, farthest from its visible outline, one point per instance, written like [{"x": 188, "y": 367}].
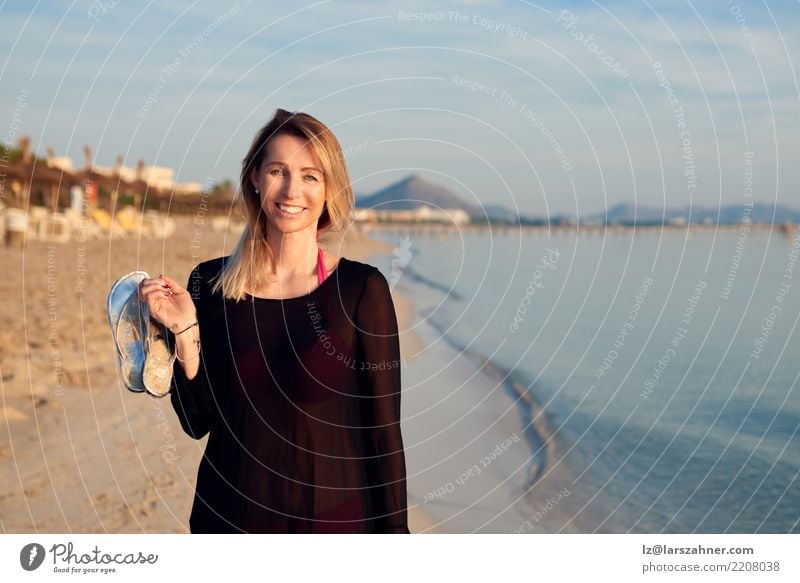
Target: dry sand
[{"x": 78, "y": 452}]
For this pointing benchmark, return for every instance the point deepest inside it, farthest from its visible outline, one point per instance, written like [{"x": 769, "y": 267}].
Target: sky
[{"x": 547, "y": 108}]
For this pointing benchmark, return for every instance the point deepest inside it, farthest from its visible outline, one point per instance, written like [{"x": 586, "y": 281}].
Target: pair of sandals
[{"x": 145, "y": 352}]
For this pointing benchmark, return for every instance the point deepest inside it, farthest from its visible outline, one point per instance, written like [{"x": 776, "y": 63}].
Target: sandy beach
[{"x": 80, "y": 453}]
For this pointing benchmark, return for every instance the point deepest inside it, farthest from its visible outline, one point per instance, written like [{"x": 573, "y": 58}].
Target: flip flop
[
  {"x": 159, "y": 353},
  {"x": 125, "y": 318}
]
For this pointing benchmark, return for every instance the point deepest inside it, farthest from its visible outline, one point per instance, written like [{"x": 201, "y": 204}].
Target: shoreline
[
  {"x": 482, "y": 454},
  {"x": 537, "y": 430},
  {"x": 458, "y": 408}
]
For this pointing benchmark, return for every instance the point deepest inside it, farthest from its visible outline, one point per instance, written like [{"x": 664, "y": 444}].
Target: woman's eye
[
  {"x": 276, "y": 172},
  {"x": 312, "y": 177}
]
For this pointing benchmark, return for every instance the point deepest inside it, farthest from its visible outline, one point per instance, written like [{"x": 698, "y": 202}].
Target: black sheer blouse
[{"x": 301, "y": 401}]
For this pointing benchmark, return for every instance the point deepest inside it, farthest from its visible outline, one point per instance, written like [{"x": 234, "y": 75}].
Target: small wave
[
  {"x": 427, "y": 282},
  {"x": 538, "y": 430}
]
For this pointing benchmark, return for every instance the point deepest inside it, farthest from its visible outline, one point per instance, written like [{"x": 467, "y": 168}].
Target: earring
[{"x": 258, "y": 191}]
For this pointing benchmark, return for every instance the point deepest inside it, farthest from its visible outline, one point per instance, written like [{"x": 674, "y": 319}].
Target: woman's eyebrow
[{"x": 270, "y": 163}]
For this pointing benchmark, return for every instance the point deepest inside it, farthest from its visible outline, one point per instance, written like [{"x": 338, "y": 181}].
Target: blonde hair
[{"x": 244, "y": 269}]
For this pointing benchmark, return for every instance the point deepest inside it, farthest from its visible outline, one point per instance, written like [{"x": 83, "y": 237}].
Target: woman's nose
[{"x": 292, "y": 186}]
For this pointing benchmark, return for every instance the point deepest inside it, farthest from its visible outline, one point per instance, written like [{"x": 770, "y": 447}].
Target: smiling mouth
[{"x": 290, "y": 209}]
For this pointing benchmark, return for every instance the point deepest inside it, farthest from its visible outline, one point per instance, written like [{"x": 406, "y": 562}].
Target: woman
[{"x": 289, "y": 357}]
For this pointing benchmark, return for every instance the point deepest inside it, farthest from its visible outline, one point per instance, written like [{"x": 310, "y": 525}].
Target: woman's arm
[
  {"x": 379, "y": 381},
  {"x": 191, "y": 394}
]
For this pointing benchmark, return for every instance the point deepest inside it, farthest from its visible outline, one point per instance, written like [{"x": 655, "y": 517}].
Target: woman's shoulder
[
  {"x": 199, "y": 282},
  {"x": 211, "y": 267},
  {"x": 362, "y": 274},
  {"x": 368, "y": 282},
  {"x": 357, "y": 267},
  {"x": 204, "y": 271}
]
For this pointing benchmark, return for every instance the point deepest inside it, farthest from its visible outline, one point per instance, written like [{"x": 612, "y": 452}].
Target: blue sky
[{"x": 549, "y": 107}]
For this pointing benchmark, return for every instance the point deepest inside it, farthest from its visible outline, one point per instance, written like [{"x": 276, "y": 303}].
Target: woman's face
[{"x": 292, "y": 184}]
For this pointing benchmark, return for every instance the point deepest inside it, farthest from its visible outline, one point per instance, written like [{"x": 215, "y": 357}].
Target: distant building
[
  {"x": 158, "y": 177},
  {"x": 421, "y": 214},
  {"x": 61, "y": 163},
  {"x": 189, "y": 187}
]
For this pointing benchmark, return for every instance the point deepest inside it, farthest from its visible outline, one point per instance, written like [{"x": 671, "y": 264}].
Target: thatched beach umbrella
[{"x": 28, "y": 174}]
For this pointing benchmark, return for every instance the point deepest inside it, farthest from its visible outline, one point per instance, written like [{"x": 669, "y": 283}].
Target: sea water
[{"x": 665, "y": 364}]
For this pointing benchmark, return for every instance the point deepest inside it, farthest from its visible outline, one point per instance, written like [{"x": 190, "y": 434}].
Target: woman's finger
[
  {"x": 157, "y": 283},
  {"x": 173, "y": 285},
  {"x": 147, "y": 282},
  {"x": 154, "y": 291},
  {"x": 149, "y": 289}
]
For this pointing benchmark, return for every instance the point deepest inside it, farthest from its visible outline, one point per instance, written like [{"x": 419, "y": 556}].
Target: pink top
[{"x": 322, "y": 273}]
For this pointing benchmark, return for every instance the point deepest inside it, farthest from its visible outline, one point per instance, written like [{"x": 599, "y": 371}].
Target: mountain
[
  {"x": 414, "y": 191},
  {"x": 500, "y": 213},
  {"x": 732, "y": 214},
  {"x": 629, "y": 213}
]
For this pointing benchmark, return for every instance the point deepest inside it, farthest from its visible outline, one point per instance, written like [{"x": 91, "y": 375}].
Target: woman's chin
[{"x": 290, "y": 225}]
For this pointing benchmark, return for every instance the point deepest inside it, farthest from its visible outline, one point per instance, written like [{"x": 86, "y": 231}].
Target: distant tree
[
  {"x": 224, "y": 189},
  {"x": 14, "y": 155}
]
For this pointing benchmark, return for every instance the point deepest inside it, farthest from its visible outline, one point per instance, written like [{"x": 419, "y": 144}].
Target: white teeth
[{"x": 290, "y": 209}]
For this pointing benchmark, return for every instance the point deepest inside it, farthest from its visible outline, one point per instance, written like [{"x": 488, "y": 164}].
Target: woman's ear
[{"x": 254, "y": 177}]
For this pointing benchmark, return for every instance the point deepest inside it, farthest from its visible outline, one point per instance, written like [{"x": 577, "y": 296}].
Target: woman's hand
[{"x": 170, "y": 304}]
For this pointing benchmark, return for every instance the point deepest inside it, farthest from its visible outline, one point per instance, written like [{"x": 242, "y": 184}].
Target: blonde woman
[{"x": 288, "y": 357}]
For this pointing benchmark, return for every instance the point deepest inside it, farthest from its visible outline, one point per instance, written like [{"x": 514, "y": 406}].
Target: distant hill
[
  {"x": 414, "y": 191},
  {"x": 628, "y": 213},
  {"x": 500, "y": 213}
]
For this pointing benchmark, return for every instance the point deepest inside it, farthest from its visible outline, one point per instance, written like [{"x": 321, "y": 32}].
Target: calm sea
[{"x": 666, "y": 363}]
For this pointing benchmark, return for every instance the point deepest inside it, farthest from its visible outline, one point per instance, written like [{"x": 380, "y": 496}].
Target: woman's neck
[{"x": 294, "y": 255}]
